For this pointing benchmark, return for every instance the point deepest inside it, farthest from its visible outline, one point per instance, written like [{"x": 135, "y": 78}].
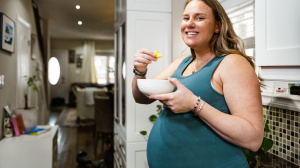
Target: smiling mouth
[{"x": 191, "y": 33}]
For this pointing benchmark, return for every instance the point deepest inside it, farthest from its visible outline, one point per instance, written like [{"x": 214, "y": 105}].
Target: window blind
[{"x": 243, "y": 19}]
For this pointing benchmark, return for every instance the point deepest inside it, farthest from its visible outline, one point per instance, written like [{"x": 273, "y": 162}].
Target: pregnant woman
[{"x": 216, "y": 108}]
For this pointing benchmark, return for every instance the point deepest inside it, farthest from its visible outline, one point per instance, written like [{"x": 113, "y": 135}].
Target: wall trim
[
  {"x": 272, "y": 97},
  {"x": 282, "y": 100}
]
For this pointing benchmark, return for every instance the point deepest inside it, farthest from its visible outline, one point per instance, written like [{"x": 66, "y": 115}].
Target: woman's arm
[
  {"x": 139, "y": 97},
  {"x": 141, "y": 61},
  {"x": 244, "y": 127}
]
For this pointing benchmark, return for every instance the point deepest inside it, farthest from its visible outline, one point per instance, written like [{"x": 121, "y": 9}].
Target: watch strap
[{"x": 139, "y": 73}]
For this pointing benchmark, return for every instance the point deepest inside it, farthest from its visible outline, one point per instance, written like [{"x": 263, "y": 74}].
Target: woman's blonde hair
[{"x": 226, "y": 41}]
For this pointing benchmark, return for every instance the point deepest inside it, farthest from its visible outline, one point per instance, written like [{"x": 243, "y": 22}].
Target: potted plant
[
  {"x": 30, "y": 114},
  {"x": 152, "y": 119}
]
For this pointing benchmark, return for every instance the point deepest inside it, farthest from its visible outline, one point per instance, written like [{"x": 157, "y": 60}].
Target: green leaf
[
  {"x": 153, "y": 118},
  {"x": 266, "y": 144},
  {"x": 143, "y": 132},
  {"x": 30, "y": 81},
  {"x": 35, "y": 88},
  {"x": 249, "y": 155},
  {"x": 267, "y": 128},
  {"x": 159, "y": 109}
]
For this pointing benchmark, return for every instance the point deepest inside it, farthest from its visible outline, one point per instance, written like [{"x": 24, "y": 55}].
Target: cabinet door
[
  {"x": 144, "y": 30},
  {"x": 137, "y": 155},
  {"x": 120, "y": 13},
  {"x": 149, "y": 5},
  {"x": 277, "y": 32}
]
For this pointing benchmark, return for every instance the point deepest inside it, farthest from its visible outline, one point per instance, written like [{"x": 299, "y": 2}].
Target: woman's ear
[{"x": 218, "y": 26}]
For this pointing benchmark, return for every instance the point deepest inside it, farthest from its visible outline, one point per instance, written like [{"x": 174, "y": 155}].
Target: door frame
[{"x": 23, "y": 68}]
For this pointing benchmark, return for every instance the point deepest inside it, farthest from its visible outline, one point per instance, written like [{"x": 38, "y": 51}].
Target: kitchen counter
[{"x": 271, "y": 161}]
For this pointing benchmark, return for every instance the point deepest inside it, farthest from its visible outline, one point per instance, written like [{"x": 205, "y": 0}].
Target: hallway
[{"x": 72, "y": 139}]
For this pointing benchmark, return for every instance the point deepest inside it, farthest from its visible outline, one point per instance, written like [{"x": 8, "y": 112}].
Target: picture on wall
[
  {"x": 79, "y": 58},
  {"x": 7, "y": 32},
  {"x": 71, "y": 56}
]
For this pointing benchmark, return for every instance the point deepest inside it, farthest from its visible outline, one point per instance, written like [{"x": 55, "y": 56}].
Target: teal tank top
[{"x": 184, "y": 140}]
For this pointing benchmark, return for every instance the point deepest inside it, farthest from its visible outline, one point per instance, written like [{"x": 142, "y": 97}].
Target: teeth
[{"x": 191, "y": 33}]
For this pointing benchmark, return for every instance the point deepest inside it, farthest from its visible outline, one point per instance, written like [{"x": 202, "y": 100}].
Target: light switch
[{"x": 1, "y": 81}]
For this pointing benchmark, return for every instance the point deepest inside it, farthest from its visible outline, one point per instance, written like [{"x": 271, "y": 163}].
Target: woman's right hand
[{"x": 142, "y": 58}]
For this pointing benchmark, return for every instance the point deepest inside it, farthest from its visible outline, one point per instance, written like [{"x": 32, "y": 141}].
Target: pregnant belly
[{"x": 186, "y": 141}]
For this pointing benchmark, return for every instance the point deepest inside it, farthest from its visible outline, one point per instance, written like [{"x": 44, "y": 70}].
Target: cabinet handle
[{"x": 117, "y": 120}]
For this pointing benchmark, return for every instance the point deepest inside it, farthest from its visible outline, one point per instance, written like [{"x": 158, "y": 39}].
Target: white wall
[
  {"x": 178, "y": 47},
  {"x": 8, "y": 61}
]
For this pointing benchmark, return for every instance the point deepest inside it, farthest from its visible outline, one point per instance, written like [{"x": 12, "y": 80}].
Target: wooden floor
[{"x": 71, "y": 140}]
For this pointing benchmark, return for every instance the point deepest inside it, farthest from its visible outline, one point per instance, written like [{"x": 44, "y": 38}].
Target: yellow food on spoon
[{"x": 157, "y": 54}]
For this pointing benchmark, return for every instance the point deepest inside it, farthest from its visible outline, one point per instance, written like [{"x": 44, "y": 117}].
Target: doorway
[{"x": 59, "y": 92}]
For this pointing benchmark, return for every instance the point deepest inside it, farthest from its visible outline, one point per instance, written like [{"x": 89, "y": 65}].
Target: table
[{"x": 30, "y": 151}]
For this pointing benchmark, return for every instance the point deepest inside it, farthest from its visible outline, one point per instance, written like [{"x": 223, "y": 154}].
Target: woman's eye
[
  {"x": 200, "y": 18},
  {"x": 185, "y": 18}
]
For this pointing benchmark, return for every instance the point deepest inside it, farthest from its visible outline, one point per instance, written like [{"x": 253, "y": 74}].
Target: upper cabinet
[
  {"x": 277, "y": 40},
  {"x": 149, "y": 5},
  {"x": 122, "y": 6}
]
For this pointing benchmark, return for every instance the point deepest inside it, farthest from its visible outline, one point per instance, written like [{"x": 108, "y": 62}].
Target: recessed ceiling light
[
  {"x": 79, "y": 22},
  {"x": 77, "y": 6}
]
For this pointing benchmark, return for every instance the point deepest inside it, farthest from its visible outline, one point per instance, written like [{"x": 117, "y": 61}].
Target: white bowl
[{"x": 154, "y": 86}]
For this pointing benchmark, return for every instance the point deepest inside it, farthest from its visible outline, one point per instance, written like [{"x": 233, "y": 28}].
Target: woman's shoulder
[
  {"x": 235, "y": 60},
  {"x": 234, "y": 63}
]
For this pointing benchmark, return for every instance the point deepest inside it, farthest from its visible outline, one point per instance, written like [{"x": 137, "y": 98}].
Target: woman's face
[{"x": 198, "y": 25}]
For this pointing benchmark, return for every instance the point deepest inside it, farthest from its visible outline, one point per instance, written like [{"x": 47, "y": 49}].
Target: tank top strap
[{"x": 213, "y": 64}]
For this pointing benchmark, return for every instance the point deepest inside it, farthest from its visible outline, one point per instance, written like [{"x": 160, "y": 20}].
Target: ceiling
[{"x": 97, "y": 17}]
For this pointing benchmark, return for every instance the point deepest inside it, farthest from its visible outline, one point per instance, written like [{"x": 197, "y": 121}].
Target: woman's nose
[{"x": 191, "y": 23}]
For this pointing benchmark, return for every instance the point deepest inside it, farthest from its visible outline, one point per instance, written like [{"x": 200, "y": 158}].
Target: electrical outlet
[
  {"x": 281, "y": 87},
  {"x": 1, "y": 81}
]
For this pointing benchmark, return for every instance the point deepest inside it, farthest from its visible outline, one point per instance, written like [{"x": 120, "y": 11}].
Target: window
[
  {"x": 105, "y": 69},
  {"x": 111, "y": 70},
  {"x": 242, "y": 18}
]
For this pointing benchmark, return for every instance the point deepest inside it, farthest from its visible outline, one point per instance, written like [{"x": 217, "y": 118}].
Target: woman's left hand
[{"x": 180, "y": 101}]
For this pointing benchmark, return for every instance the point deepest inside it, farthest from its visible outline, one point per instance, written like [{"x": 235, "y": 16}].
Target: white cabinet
[
  {"x": 149, "y": 5},
  {"x": 138, "y": 24},
  {"x": 277, "y": 45},
  {"x": 277, "y": 40},
  {"x": 138, "y": 158},
  {"x": 30, "y": 151},
  {"x": 144, "y": 30}
]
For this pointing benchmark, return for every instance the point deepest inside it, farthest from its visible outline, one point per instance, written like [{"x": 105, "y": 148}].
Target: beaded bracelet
[
  {"x": 196, "y": 114},
  {"x": 196, "y": 104}
]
